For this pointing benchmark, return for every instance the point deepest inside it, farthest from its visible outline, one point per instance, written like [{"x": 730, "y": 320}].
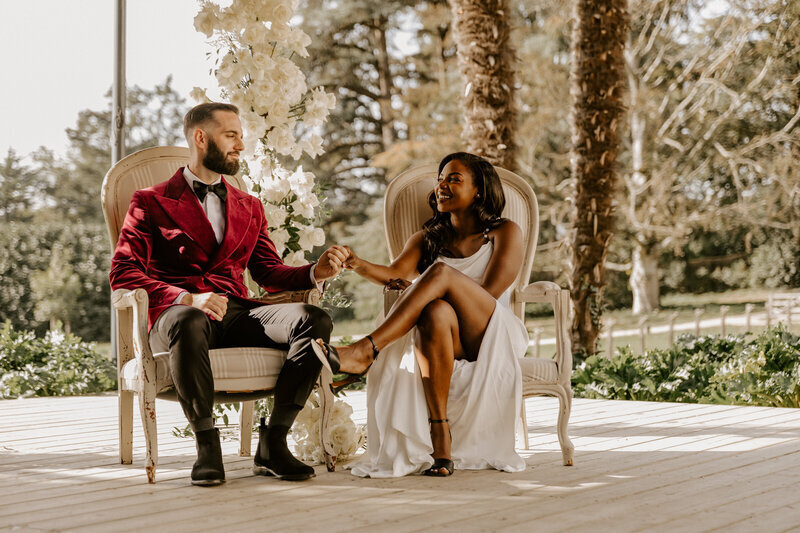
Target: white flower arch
[{"x": 254, "y": 45}]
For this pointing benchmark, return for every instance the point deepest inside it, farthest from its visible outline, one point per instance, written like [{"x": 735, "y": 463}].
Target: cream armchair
[
  {"x": 406, "y": 208},
  {"x": 240, "y": 374}
]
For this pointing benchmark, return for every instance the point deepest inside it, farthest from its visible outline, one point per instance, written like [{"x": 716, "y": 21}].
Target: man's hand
[
  {"x": 210, "y": 303},
  {"x": 331, "y": 262}
]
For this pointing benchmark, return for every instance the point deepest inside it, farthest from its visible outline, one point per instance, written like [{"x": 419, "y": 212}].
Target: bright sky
[{"x": 57, "y": 59}]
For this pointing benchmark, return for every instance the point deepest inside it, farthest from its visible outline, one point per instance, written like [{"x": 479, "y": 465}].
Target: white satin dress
[{"x": 483, "y": 404}]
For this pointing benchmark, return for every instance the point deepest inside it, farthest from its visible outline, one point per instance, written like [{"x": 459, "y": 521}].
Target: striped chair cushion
[
  {"x": 234, "y": 369},
  {"x": 537, "y": 371}
]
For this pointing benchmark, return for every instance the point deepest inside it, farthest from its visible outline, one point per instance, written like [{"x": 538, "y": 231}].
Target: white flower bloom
[
  {"x": 207, "y": 19},
  {"x": 199, "y": 95},
  {"x": 274, "y": 189},
  {"x": 313, "y": 145},
  {"x": 254, "y": 33},
  {"x": 301, "y": 182},
  {"x": 281, "y": 139},
  {"x": 297, "y": 258},
  {"x": 344, "y": 435},
  {"x": 296, "y": 152},
  {"x": 303, "y": 208},
  {"x": 275, "y": 214},
  {"x": 279, "y": 238},
  {"x": 298, "y": 41},
  {"x": 310, "y": 237},
  {"x": 318, "y": 106},
  {"x": 281, "y": 11}
]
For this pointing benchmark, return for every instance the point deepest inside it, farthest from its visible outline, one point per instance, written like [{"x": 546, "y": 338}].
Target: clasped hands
[
  {"x": 215, "y": 305},
  {"x": 331, "y": 263}
]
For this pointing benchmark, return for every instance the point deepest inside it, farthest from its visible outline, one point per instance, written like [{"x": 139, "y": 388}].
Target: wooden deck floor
[{"x": 638, "y": 467}]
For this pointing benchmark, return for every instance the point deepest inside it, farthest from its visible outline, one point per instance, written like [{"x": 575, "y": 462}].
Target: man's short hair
[{"x": 202, "y": 113}]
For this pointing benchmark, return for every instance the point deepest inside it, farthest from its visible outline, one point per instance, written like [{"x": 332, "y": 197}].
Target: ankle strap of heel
[
  {"x": 375, "y": 351},
  {"x": 439, "y": 421}
]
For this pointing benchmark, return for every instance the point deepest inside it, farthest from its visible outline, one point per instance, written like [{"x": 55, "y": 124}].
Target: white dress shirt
[{"x": 212, "y": 205}]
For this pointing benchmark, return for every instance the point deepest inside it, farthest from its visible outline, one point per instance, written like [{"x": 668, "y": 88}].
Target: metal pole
[
  {"x": 118, "y": 94},
  {"x": 118, "y": 91}
]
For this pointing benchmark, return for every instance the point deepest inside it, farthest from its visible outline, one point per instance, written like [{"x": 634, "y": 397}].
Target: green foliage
[
  {"x": 775, "y": 263},
  {"x": 708, "y": 369},
  {"x": 56, "y": 290},
  {"x": 764, "y": 372},
  {"x": 56, "y": 365},
  {"x": 29, "y": 248},
  {"x": 19, "y": 188}
]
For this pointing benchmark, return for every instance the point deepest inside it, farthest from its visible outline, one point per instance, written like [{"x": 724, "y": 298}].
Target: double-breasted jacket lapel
[
  {"x": 238, "y": 219},
  {"x": 182, "y": 207}
]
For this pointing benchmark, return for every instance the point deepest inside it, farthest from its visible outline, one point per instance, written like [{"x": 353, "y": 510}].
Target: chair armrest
[
  {"x": 390, "y": 296},
  {"x": 127, "y": 298},
  {"x": 549, "y": 292},
  {"x": 539, "y": 291},
  {"x": 310, "y": 296},
  {"x": 132, "y": 333}
]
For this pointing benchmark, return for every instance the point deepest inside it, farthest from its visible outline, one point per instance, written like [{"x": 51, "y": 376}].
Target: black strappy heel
[
  {"x": 329, "y": 357},
  {"x": 441, "y": 464}
]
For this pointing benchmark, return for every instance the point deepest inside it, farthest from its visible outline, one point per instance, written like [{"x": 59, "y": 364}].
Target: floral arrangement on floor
[
  {"x": 254, "y": 44},
  {"x": 346, "y": 436}
]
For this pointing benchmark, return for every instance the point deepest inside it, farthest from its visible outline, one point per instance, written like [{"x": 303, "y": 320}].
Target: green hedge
[
  {"x": 56, "y": 365},
  {"x": 710, "y": 369}
]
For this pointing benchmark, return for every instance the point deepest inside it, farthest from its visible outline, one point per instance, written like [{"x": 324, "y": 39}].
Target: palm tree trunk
[
  {"x": 485, "y": 57},
  {"x": 597, "y": 85},
  {"x": 385, "y": 84}
]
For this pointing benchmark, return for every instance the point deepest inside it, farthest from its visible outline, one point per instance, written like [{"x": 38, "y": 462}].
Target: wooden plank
[{"x": 631, "y": 455}]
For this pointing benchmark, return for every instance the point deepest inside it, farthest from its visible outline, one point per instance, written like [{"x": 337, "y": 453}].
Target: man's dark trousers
[{"x": 188, "y": 333}]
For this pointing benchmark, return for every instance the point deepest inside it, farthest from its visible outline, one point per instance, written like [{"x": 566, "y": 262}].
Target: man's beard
[{"x": 215, "y": 160}]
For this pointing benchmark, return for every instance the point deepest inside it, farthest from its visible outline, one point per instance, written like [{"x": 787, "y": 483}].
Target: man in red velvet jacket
[{"x": 187, "y": 242}]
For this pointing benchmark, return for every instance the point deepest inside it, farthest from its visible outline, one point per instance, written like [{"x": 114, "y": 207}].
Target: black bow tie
[{"x": 201, "y": 190}]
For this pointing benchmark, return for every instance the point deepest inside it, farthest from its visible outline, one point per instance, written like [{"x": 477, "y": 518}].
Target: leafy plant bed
[
  {"x": 57, "y": 365},
  {"x": 709, "y": 369}
]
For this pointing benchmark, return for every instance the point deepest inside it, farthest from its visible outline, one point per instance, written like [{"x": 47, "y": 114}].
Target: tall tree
[
  {"x": 597, "y": 87},
  {"x": 713, "y": 120},
  {"x": 352, "y": 55},
  {"x": 20, "y": 189},
  {"x": 486, "y": 59}
]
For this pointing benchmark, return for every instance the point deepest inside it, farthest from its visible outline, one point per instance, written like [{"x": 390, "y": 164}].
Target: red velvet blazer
[{"x": 167, "y": 246}]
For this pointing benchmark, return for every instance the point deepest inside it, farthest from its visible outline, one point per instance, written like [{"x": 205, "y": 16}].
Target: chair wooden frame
[
  {"x": 136, "y": 171},
  {"x": 406, "y": 208}
]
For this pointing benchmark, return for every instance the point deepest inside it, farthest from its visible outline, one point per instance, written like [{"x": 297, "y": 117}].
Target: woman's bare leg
[
  {"x": 472, "y": 304},
  {"x": 437, "y": 345}
]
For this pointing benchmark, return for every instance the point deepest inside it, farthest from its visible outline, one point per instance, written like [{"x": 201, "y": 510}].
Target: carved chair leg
[
  {"x": 147, "y": 408},
  {"x": 524, "y": 426},
  {"x": 326, "y": 400},
  {"x": 565, "y": 406},
  {"x": 245, "y": 428},
  {"x": 125, "y": 426}
]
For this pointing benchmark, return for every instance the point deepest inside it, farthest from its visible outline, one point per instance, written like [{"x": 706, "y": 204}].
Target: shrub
[
  {"x": 764, "y": 372},
  {"x": 709, "y": 369},
  {"x": 55, "y": 365}
]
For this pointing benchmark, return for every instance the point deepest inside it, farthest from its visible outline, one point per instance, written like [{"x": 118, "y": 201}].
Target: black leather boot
[
  {"x": 273, "y": 457},
  {"x": 208, "y": 469}
]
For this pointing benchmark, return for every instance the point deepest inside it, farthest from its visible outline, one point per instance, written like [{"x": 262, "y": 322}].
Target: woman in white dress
[{"x": 444, "y": 382}]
